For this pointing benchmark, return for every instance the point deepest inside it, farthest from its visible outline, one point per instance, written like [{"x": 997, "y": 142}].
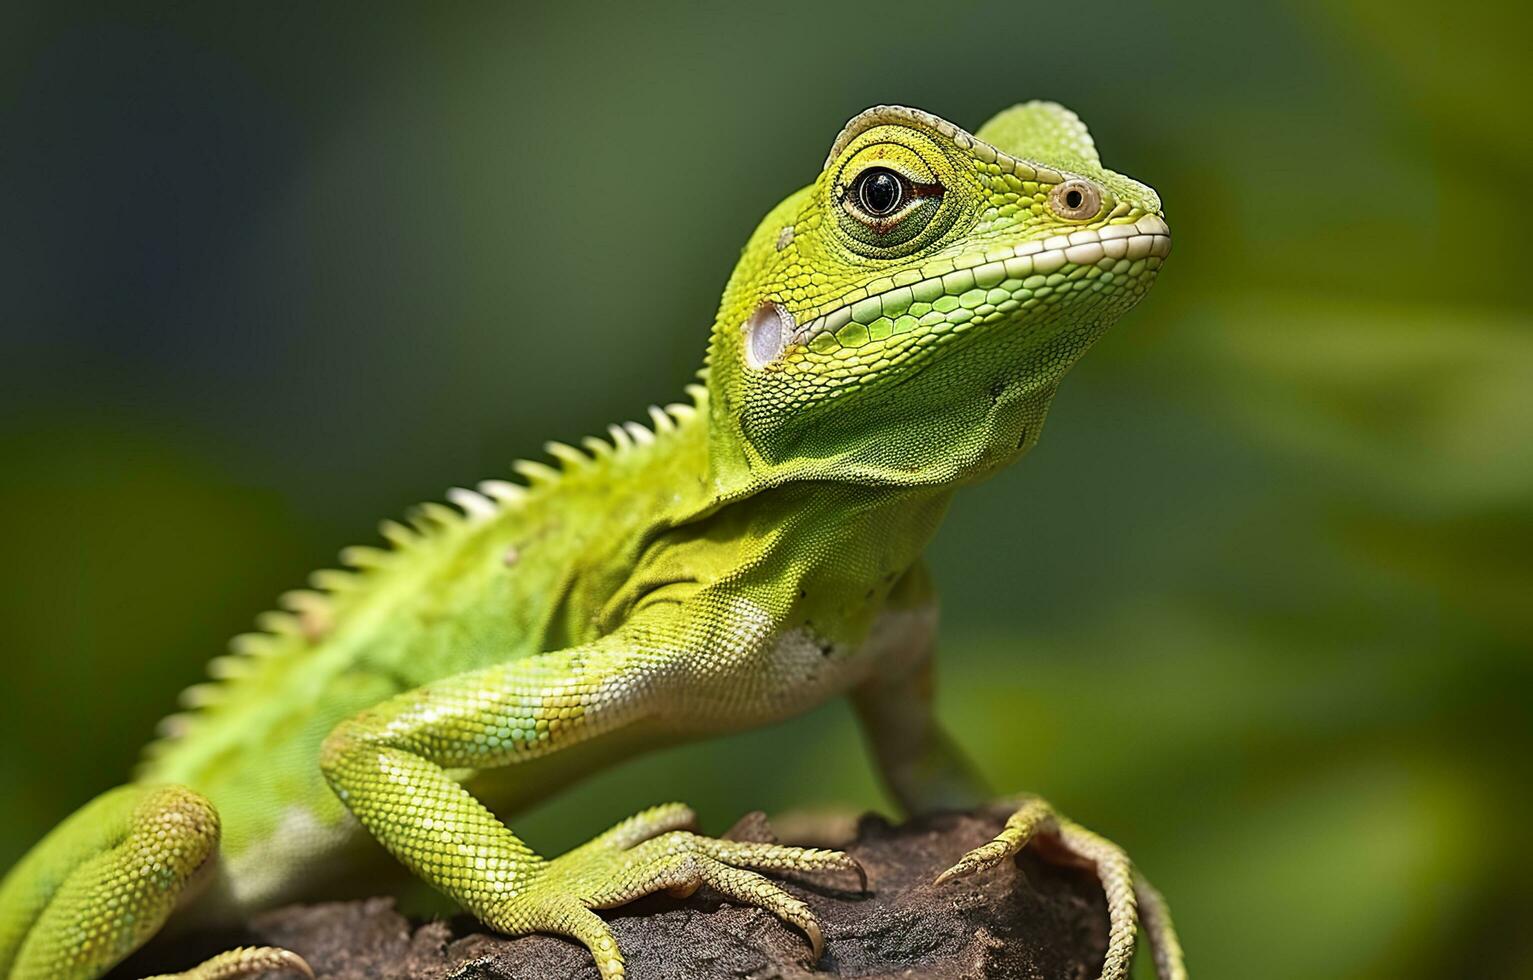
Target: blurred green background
[{"x": 1258, "y": 606}]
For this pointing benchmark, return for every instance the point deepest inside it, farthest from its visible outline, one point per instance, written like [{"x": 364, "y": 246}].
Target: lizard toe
[
  {"x": 1131, "y": 902},
  {"x": 246, "y": 961}
]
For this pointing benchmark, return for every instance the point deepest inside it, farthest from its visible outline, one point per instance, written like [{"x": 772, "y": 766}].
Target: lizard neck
[{"x": 975, "y": 435}]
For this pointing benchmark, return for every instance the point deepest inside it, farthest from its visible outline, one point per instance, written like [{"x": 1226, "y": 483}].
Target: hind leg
[{"x": 104, "y": 881}]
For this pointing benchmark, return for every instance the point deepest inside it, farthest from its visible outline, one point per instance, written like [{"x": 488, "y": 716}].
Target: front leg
[
  {"x": 924, "y": 771},
  {"x": 920, "y": 764},
  {"x": 390, "y": 766}
]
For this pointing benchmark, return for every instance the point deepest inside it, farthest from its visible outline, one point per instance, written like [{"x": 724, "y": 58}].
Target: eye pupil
[
  {"x": 1073, "y": 199},
  {"x": 879, "y": 192}
]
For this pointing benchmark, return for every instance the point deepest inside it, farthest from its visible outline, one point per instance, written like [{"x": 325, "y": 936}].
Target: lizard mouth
[{"x": 970, "y": 288}]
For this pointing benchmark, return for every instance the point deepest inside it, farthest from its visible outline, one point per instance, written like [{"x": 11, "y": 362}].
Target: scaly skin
[{"x": 892, "y": 332}]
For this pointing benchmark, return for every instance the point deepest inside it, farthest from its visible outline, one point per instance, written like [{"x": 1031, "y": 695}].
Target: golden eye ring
[{"x": 1076, "y": 199}]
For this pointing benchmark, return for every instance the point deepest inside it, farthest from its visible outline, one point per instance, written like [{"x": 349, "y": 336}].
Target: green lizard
[{"x": 892, "y": 332}]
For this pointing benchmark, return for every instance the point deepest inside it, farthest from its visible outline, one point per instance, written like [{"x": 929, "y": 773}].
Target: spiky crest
[{"x": 308, "y": 615}]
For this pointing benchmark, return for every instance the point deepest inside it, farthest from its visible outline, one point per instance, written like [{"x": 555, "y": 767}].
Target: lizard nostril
[{"x": 1076, "y": 200}]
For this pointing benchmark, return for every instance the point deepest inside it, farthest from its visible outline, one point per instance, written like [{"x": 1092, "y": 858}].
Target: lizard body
[{"x": 892, "y": 332}]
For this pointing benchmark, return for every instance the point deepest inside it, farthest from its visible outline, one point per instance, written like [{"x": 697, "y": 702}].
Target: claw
[
  {"x": 816, "y": 940},
  {"x": 962, "y": 869},
  {"x": 293, "y": 962},
  {"x": 246, "y": 961},
  {"x": 1031, "y": 816},
  {"x": 979, "y": 859},
  {"x": 862, "y": 874}
]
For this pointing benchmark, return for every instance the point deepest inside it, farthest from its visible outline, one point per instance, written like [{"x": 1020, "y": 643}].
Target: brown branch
[{"x": 1027, "y": 919}]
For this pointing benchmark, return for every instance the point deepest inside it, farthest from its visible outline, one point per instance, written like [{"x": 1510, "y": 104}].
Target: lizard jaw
[{"x": 1147, "y": 240}]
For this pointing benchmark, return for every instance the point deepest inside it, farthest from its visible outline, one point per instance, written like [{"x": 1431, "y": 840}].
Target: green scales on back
[
  {"x": 893, "y": 331},
  {"x": 449, "y": 592}
]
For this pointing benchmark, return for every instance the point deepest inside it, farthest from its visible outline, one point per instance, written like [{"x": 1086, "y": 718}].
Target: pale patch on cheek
[{"x": 766, "y": 334}]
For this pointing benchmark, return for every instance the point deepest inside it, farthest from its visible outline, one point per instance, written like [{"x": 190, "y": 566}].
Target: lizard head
[{"x": 907, "y": 317}]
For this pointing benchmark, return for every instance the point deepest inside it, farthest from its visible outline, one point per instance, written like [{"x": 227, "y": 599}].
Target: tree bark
[{"x": 1026, "y": 919}]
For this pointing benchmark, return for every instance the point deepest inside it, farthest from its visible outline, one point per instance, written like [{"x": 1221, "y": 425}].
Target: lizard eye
[
  {"x": 881, "y": 198},
  {"x": 1076, "y": 200},
  {"x": 886, "y": 206},
  {"x": 879, "y": 192}
]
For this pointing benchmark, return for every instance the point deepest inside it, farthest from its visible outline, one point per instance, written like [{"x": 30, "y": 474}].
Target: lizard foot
[
  {"x": 652, "y": 852},
  {"x": 1131, "y": 900},
  {"x": 247, "y": 961}
]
